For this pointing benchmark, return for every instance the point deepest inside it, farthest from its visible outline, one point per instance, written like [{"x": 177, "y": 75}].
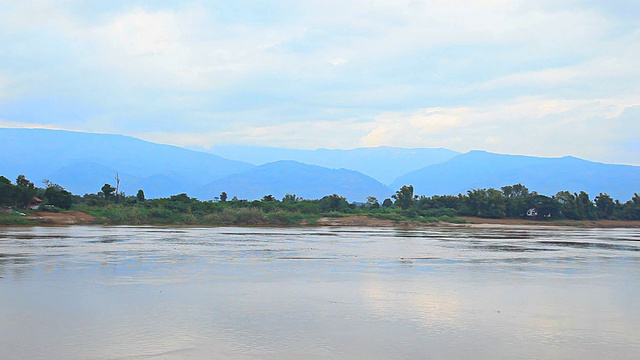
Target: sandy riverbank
[
  {"x": 476, "y": 221},
  {"x": 78, "y": 217},
  {"x": 70, "y": 218}
]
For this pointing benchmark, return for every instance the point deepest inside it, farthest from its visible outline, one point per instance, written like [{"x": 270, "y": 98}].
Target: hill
[
  {"x": 306, "y": 181},
  {"x": 83, "y": 162},
  {"x": 481, "y": 169},
  {"x": 381, "y": 163}
]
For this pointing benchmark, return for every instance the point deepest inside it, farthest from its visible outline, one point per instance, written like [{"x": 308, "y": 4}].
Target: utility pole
[{"x": 117, "y": 187}]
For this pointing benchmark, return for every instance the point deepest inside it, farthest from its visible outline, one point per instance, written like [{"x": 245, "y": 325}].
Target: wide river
[{"x": 319, "y": 293}]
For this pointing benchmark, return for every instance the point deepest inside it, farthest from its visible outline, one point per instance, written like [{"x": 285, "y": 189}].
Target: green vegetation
[{"x": 110, "y": 207}]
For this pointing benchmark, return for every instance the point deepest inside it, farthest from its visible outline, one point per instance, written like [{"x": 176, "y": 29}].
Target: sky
[{"x": 543, "y": 78}]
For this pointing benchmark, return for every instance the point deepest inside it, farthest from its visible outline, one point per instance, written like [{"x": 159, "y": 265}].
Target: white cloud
[
  {"x": 300, "y": 134},
  {"x": 511, "y": 76},
  {"x": 529, "y": 126}
]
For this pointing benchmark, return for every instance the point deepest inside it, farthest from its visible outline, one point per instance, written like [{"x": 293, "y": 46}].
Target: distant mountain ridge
[
  {"x": 291, "y": 177},
  {"x": 481, "y": 169},
  {"x": 382, "y": 163},
  {"x": 83, "y": 162}
]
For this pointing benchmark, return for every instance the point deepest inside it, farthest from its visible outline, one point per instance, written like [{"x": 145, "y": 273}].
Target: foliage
[
  {"x": 514, "y": 201},
  {"x": 404, "y": 197},
  {"x": 140, "y": 196},
  {"x": 57, "y": 196}
]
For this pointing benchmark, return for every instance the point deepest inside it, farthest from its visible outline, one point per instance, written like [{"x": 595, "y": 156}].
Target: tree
[
  {"x": 545, "y": 206},
  {"x": 23, "y": 181},
  {"x": 58, "y": 197},
  {"x": 140, "y": 196},
  {"x": 605, "y": 205},
  {"x": 291, "y": 198},
  {"x": 387, "y": 203},
  {"x": 107, "y": 191},
  {"x": 486, "y": 203},
  {"x": 334, "y": 203},
  {"x": 404, "y": 197},
  {"x": 517, "y": 190},
  {"x": 7, "y": 192},
  {"x": 517, "y": 200},
  {"x": 631, "y": 209},
  {"x": 568, "y": 206},
  {"x": 24, "y": 191},
  {"x": 586, "y": 206},
  {"x": 268, "y": 198},
  {"x": 372, "y": 202},
  {"x": 223, "y": 196}
]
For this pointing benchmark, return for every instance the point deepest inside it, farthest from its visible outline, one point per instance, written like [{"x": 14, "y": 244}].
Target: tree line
[
  {"x": 516, "y": 201},
  {"x": 513, "y": 201}
]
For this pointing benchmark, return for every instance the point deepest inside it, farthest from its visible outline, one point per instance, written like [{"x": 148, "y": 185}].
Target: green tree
[
  {"x": 517, "y": 190},
  {"x": 23, "y": 181},
  {"x": 107, "y": 191},
  {"x": 372, "y": 202},
  {"x": 486, "y": 203},
  {"x": 631, "y": 209},
  {"x": 516, "y": 200},
  {"x": 568, "y": 205},
  {"x": 585, "y": 206},
  {"x": 291, "y": 198},
  {"x": 223, "y": 196},
  {"x": 605, "y": 205},
  {"x": 7, "y": 192},
  {"x": 24, "y": 191},
  {"x": 58, "y": 196},
  {"x": 545, "y": 206},
  {"x": 268, "y": 198},
  {"x": 405, "y": 197},
  {"x": 334, "y": 203},
  {"x": 387, "y": 203},
  {"x": 140, "y": 196}
]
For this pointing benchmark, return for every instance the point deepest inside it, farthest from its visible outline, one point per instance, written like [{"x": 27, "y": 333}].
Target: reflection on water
[{"x": 317, "y": 293}]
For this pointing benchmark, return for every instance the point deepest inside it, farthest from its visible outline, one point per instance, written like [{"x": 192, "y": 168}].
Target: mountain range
[
  {"x": 83, "y": 162},
  {"x": 383, "y": 163},
  {"x": 291, "y": 177},
  {"x": 481, "y": 169}
]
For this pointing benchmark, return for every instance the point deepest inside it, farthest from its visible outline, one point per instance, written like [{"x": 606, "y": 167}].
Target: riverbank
[
  {"x": 476, "y": 221},
  {"x": 82, "y": 218}
]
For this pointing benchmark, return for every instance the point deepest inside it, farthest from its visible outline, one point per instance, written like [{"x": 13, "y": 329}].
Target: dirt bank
[
  {"x": 69, "y": 218},
  {"x": 560, "y": 222},
  {"x": 475, "y": 221}
]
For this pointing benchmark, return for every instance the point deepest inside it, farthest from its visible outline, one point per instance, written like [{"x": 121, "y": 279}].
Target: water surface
[{"x": 319, "y": 293}]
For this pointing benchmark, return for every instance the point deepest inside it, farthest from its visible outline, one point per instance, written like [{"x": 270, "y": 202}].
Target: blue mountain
[
  {"x": 83, "y": 162},
  {"x": 381, "y": 163},
  {"x": 291, "y": 177},
  {"x": 481, "y": 169}
]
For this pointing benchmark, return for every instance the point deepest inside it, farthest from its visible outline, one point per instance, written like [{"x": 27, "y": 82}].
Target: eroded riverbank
[{"x": 81, "y": 218}]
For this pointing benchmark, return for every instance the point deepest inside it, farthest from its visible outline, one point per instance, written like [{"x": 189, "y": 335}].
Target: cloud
[
  {"x": 529, "y": 126},
  {"x": 459, "y": 74},
  {"x": 592, "y": 129},
  {"x": 299, "y": 134}
]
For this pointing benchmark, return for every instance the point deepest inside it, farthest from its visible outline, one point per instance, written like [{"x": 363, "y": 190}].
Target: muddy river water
[{"x": 91, "y": 292}]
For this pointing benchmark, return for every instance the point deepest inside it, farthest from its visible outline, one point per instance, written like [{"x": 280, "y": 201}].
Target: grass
[{"x": 15, "y": 219}]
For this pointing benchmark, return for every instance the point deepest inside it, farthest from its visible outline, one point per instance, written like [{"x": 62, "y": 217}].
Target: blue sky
[{"x": 546, "y": 78}]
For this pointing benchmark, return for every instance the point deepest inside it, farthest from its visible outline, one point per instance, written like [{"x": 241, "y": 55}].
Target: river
[{"x": 92, "y": 292}]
